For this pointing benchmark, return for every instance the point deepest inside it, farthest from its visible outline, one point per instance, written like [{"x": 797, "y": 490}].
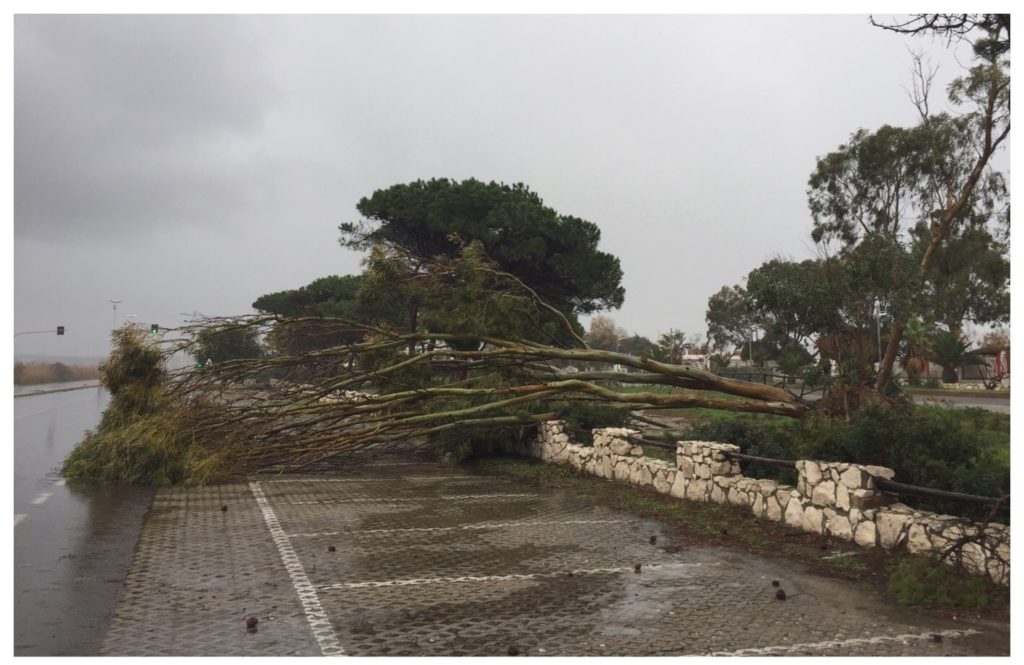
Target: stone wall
[{"x": 830, "y": 498}]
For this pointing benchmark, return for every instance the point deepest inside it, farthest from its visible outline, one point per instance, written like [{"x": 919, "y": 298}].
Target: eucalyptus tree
[{"x": 915, "y": 194}]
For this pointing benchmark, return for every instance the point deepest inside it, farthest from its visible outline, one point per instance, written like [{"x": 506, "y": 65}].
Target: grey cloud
[
  {"x": 197, "y": 162},
  {"x": 125, "y": 121}
]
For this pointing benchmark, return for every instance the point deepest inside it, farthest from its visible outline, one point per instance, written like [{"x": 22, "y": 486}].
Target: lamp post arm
[{"x": 34, "y": 332}]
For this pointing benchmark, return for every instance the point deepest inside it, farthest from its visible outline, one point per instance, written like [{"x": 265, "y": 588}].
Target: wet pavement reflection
[{"x": 73, "y": 541}]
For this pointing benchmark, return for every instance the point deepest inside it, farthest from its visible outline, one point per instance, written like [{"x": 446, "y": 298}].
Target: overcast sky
[{"x": 188, "y": 164}]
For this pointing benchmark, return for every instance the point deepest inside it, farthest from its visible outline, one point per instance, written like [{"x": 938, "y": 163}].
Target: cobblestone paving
[{"x": 425, "y": 560}]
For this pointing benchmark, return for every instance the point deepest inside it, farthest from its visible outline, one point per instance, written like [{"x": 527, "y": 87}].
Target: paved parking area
[{"x": 406, "y": 559}]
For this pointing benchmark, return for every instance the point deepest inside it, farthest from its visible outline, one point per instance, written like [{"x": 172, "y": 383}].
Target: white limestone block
[
  {"x": 824, "y": 494},
  {"x": 795, "y": 513},
  {"x": 813, "y": 520},
  {"x": 865, "y": 535},
  {"x": 812, "y": 473}
]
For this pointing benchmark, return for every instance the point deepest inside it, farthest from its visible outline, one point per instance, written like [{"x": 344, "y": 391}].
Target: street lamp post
[
  {"x": 114, "y": 303},
  {"x": 878, "y": 327},
  {"x": 750, "y": 346}
]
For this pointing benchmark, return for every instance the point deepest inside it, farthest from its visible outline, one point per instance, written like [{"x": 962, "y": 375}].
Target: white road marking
[
  {"x": 499, "y": 578},
  {"x": 834, "y": 644},
  {"x": 19, "y": 518},
  {"x": 41, "y": 498},
  {"x": 417, "y": 498},
  {"x": 839, "y": 555},
  {"x": 464, "y": 527},
  {"x": 315, "y": 615},
  {"x": 61, "y": 483}
]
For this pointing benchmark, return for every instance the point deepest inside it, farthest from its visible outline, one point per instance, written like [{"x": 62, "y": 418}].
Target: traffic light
[
  {"x": 154, "y": 328},
  {"x": 60, "y": 330}
]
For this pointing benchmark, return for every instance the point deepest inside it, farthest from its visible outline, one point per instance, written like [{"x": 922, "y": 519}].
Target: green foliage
[
  {"x": 921, "y": 580},
  {"x": 959, "y": 450},
  {"x": 584, "y": 416},
  {"x": 556, "y": 255},
  {"x": 638, "y": 345},
  {"x": 729, "y": 317},
  {"x": 336, "y": 295},
  {"x": 673, "y": 346},
  {"x": 221, "y": 343},
  {"x": 791, "y": 301},
  {"x": 133, "y": 373},
  {"x": 347, "y": 297},
  {"x": 951, "y": 351},
  {"x": 463, "y": 443},
  {"x": 754, "y": 437},
  {"x": 143, "y": 436},
  {"x": 154, "y": 449},
  {"x": 969, "y": 275}
]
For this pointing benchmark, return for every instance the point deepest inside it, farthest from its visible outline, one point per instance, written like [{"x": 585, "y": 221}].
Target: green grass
[
  {"x": 992, "y": 429},
  {"x": 644, "y": 388}
]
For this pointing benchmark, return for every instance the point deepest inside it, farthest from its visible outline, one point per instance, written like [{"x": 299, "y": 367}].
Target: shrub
[
  {"x": 923, "y": 580},
  {"x": 143, "y": 437},
  {"x": 754, "y": 438},
  {"x": 925, "y": 445}
]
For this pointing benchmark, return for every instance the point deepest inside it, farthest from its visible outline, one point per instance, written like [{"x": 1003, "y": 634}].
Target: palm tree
[
  {"x": 917, "y": 345},
  {"x": 952, "y": 351},
  {"x": 672, "y": 345}
]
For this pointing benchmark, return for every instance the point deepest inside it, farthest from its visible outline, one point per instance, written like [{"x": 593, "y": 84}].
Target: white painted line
[
  {"x": 835, "y": 644},
  {"x": 19, "y": 518},
  {"x": 315, "y": 615},
  {"x": 41, "y": 498},
  {"x": 417, "y": 498},
  {"x": 839, "y": 555},
  {"x": 499, "y": 578},
  {"x": 61, "y": 483},
  {"x": 464, "y": 527}
]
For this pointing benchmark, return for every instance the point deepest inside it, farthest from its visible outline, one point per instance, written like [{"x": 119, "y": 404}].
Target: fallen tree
[
  {"x": 393, "y": 391},
  {"x": 301, "y": 410}
]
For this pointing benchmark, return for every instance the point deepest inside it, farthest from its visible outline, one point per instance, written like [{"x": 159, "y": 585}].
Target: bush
[
  {"x": 143, "y": 437},
  {"x": 586, "y": 416},
  {"x": 150, "y": 450},
  {"x": 924, "y": 580},
  {"x": 754, "y": 438},
  {"x": 929, "y": 446}
]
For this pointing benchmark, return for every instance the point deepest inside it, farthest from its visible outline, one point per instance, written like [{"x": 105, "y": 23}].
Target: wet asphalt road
[
  {"x": 996, "y": 404},
  {"x": 73, "y": 542}
]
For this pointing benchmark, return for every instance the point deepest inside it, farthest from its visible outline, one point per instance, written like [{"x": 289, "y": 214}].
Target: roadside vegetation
[
  {"x": 144, "y": 437},
  {"x": 30, "y": 374}
]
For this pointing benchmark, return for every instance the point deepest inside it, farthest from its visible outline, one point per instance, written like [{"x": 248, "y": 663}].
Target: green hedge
[{"x": 961, "y": 450}]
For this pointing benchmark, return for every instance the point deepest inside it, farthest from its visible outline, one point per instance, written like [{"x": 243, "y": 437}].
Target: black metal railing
[{"x": 1003, "y": 504}]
